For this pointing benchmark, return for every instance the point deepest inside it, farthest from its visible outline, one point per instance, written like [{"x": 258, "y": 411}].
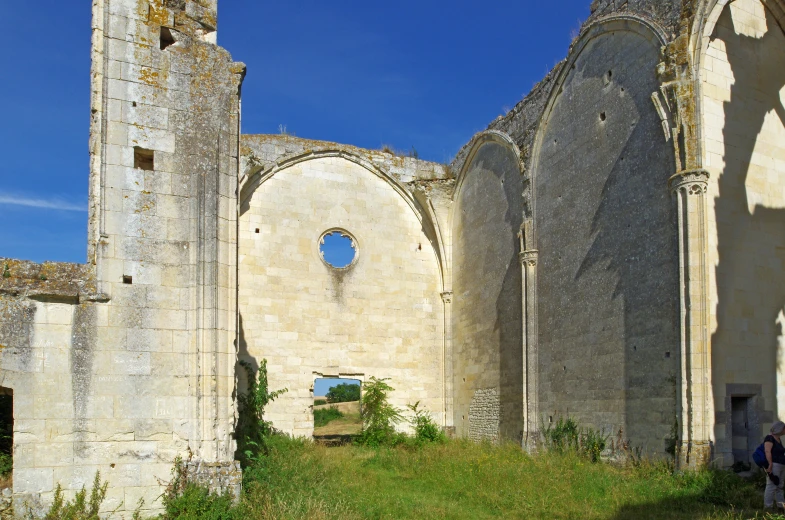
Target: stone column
[
  {"x": 449, "y": 420},
  {"x": 696, "y": 401},
  {"x": 528, "y": 257},
  {"x": 531, "y": 432}
]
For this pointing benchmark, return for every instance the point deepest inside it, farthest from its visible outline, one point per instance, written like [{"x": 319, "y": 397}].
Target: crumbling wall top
[
  {"x": 262, "y": 152},
  {"x": 57, "y": 281}
]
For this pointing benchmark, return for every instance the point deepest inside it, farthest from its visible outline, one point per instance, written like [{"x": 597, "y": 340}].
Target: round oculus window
[{"x": 338, "y": 248}]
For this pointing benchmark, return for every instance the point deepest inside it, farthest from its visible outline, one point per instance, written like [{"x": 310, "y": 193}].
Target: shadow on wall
[
  {"x": 608, "y": 266},
  {"x": 509, "y": 306},
  {"x": 243, "y": 355},
  {"x": 750, "y": 275},
  {"x": 488, "y": 302},
  {"x": 634, "y": 236}
]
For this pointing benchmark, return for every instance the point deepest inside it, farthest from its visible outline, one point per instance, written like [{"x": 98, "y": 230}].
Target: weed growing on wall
[
  {"x": 252, "y": 429},
  {"x": 378, "y": 415}
]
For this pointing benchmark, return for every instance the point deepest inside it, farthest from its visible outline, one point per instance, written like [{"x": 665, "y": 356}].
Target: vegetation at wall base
[
  {"x": 425, "y": 428},
  {"x": 81, "y": 507},
  {"x": 427, "y": 476},
  {"x": 379, "y": 417},
  {"x": 462, "y": 479},
  {"x": 252, "y": 429},
  {"x": 566, "y": 435}
]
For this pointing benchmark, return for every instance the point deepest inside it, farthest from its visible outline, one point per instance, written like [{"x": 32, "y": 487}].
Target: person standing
[{"x": 775, "y": 456}]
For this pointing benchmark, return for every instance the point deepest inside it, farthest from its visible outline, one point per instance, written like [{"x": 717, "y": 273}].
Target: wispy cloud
[{"x": 55, "y": 203}]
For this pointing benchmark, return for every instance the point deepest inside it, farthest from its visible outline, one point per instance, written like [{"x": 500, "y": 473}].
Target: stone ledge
[{"x": 49, "y": 281}]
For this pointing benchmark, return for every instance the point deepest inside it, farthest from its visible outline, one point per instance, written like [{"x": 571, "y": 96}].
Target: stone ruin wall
[
  {"x": 743, "y": 91},
  {"x": 125, "y": 363},
  {"x": 690, "y": 61},
  {"x": 382, "y": 316},
  {"x": 122, "y": 364}
]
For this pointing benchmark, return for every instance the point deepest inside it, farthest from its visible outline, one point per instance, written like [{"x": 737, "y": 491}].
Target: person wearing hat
[{"x": 775, "y": 456}]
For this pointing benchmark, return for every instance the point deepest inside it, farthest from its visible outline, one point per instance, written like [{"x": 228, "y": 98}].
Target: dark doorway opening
[
  {"x": 740, "y": 430},
  {"x": 6, "y": 437}
]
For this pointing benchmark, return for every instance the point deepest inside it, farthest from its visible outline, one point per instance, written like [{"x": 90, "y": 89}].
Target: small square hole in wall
[
  {"x": 144, "y": 159},
  {"x": 257, "y": 230},
  {"x": 167, "y": 38},
  {"x": 128, "y": 279}
]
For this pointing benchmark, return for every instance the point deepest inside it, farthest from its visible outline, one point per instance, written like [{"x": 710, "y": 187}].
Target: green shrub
[
  {"x": 184, "y": 500},
  {"x": 252, "y": 429},
  {"x": 566, "y": 435},
  {"x": 425, "y": 429},
  {"x": 344, "y": 393},
  {"x": 325, "y": 415},
  {"x": 82, "y": 507},
  {"x": 196, "y": 502},
  {"x": 320, "y": 402},
  {"x": 379, "y": 417}
]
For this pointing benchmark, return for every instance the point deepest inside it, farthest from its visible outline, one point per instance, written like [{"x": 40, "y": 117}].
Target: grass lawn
[{"x": 464, "y": 480}]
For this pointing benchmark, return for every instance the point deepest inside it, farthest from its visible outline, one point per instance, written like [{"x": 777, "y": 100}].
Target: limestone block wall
[
  {"x": 165, "y": 155},
  {"x": 47, "y": 312},
  {"x": 383, "y": 316},
  {"x": 743, "y": 88},
  {"x": 139, "y": 369},
  {"x": 608, "y": 293},
  {"x": 487, "y": 302}
]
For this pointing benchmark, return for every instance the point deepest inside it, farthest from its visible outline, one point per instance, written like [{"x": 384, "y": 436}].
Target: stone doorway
[{"x": 740, "y": 429}]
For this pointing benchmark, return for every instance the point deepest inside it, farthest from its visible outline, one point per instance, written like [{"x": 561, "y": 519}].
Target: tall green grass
[{"x": 461, "y": 479}]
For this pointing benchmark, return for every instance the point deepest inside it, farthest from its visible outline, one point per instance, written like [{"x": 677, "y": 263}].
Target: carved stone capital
[
  {"x": 529, "y": 258},
  {"x": 692, "y": 182},
  {"x": 447, "y": 297}
]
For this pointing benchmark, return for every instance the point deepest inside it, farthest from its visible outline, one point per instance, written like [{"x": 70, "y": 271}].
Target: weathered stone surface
[
  {"x": 221, "y": 477},
  {"x": 381, "y": 316},
  {"x": 544, "y": 273},
  {"x": 487, "y": 331},
  {"x": 50, "y": 280}
]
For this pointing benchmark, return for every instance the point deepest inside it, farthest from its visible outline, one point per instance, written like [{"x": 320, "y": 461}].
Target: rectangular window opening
[
  {"x": 336, "y": 409},
  {"x": 144, "y": 159},
  {"x": 128, "y": 279}
]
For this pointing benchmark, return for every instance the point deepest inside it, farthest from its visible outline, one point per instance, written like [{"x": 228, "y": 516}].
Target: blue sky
[
  {"x": 337, "y": 250},
  {"x": 407, "y": 74},
  {"x": 322, "y": 385}
]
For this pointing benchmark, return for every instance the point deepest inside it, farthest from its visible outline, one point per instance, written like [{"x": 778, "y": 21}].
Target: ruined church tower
[
  {"x": 162, "y": 225},
  {"x": 125, "y": 363}
]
